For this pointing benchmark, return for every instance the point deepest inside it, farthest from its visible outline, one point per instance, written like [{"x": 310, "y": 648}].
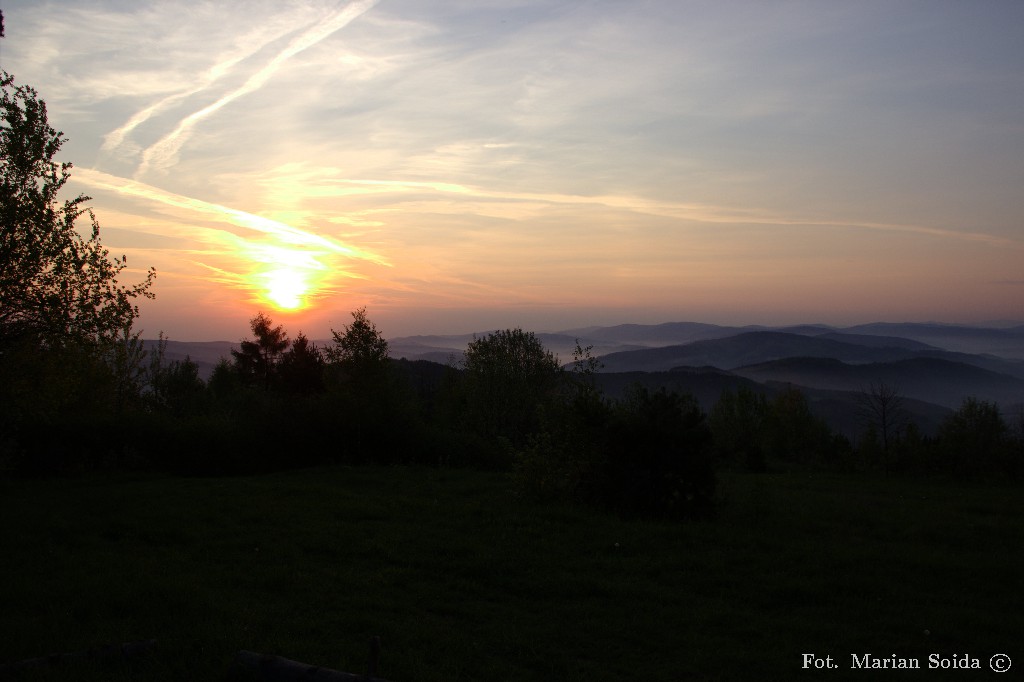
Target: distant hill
[
  {"x": 703, "y": 383},
  {"x": 206, "y": 354},
  {"x": 1006, "y": 343},
  {"x": 934, "y": 380},
  {"x": 878, "y": 341},
  {"x": 669, "y": 333},
  {"x": 746, "y": 349}
]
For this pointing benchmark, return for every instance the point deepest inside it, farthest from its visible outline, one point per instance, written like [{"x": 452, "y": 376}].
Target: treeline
[
  {"x": 976, "y": 440},
  {"x": 280, "y": 403}
]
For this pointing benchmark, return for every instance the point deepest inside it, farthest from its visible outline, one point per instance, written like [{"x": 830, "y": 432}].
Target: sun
[{"x": 287, "y": 288}]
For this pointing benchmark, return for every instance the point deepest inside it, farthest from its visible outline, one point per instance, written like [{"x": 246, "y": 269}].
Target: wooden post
[{"x": 371, "y": 668}]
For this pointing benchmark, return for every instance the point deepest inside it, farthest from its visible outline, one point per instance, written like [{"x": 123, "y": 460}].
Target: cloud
[
  {"x": 164, "y": 152},
  {"x": 283, "y": 233},
  {"x": 115, "y": 138},
  {"x": 301, "y": 180}
]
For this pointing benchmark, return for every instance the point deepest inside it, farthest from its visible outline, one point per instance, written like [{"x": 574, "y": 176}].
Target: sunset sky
[{"x": 465, "y": 165}]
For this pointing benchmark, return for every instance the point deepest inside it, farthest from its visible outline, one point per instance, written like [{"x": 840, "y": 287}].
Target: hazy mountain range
[{"x": 935, "y": 366}]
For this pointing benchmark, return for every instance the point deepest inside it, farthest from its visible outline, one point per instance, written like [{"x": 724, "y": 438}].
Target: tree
[
  {"x": 794, "y": 433},
  {"x": 880, "y": 407},
  {"x": 738, "y": 424},
  {"x": 974, "y": 438},
  {"x": 175, "y": 386},
  {"x": 509, "y": 375},
  {"x": 56, "y": 286},
  {"x": 302, "y": 367},
  {"x": 257, "y": 360},
  {"x": 360, "y": 349},
  {"x": 584, "y": 372}
]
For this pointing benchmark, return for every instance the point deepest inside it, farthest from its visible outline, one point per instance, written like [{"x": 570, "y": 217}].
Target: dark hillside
[
  {"x": 1006, "y": 343},
  {"x": 703, "y": 383},
  {"x": 933, "y": 380},
  {"x": 879, "y": 341},
  {"x": 746, "y": 349},
  {"x": 656, "y": 334}
]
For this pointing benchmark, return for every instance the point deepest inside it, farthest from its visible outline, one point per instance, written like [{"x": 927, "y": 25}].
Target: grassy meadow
[{"x": 463, "y": 581}]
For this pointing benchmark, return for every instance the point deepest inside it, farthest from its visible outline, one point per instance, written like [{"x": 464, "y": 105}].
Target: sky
[{"x": 467, "y": 165}]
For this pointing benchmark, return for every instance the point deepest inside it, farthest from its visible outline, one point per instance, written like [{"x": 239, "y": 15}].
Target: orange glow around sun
[
  {"x": 286, "y": 288},
  {"x": 288, "y": 276}
]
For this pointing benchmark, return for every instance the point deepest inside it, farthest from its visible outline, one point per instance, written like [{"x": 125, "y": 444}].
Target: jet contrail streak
[
  {"x": 286, "y": 233},
  {"x": 162, "y": 153},
  {"x": 115, "y": 138}
]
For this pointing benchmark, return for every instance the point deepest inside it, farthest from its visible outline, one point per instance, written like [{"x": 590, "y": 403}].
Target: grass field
[{"x": 463, "y": 581}]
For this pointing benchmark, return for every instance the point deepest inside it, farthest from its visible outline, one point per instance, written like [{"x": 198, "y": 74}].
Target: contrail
[
  {"x": 287, "y": 234},
  {"x": 163, "y": 152},
  {"x": 115, "y": 138}
]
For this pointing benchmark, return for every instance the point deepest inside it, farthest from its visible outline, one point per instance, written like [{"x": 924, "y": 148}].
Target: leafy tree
[
  {"x": 369, "y": 394},
  {"x": 584, "y": 371},
  {"x": 125, "y": 357},
  {"x": 567, "y": 454},
  {"x": 56, "y": 286},
  {"x": 793, "y": 432},
  {"x": 360, "y": 349},
  {"x": 257, "y": 361},
  {"x": 174, "y": 387},
  {"x": 738, "y": 423},
  {"x": 975, "y": 438},
  {"x": 508, "y": 375},
  {"x": 302, "y": 367},
  {"x": 68, "y": 357}
]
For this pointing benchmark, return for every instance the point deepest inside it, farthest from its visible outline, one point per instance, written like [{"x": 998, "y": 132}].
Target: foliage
[
  {"x": 174, "y": 387},
  {"x": 360, "y": 347},
  {"x": 974, "y": 438},
  {"x": 508, "y": 377},
  {"x": 794, "y": 434},
  {"x": 256, "y": 361},
  {"x": 56, "y": 286},
  {"x": 738, "y": 424},
  {"x": 567, "y": 457},
  {"x": 68, "y": 356},
  {"x": 302, "y": 367}
]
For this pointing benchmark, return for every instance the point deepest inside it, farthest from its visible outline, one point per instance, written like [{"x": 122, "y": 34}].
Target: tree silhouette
[
  {"x": 508, "y": 375},
  {"x": 302, "y": 367},
  {"x": 359, "y": 347},
  {"x": 56, "y": 286},
  {"x": 738, "y": 422},
  {"x": 880, "y": 407},
  {"x": 974, "y": 438},
  {"x": 257, "y": 360}
]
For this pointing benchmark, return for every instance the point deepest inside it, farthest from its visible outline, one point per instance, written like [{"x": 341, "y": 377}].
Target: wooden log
[{"x": 255, "y": 667}]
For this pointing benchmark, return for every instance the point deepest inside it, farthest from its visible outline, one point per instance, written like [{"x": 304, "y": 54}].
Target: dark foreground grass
[{"x": 462, "y": 581}]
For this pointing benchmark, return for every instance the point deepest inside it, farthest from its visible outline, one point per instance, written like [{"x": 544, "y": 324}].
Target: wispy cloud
[
  {"x": 286, "y": 234},
  {"x": 115, "y": 138},
  {"x": 327, "y": 181},
  {"x": 164, "y": 152}
]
